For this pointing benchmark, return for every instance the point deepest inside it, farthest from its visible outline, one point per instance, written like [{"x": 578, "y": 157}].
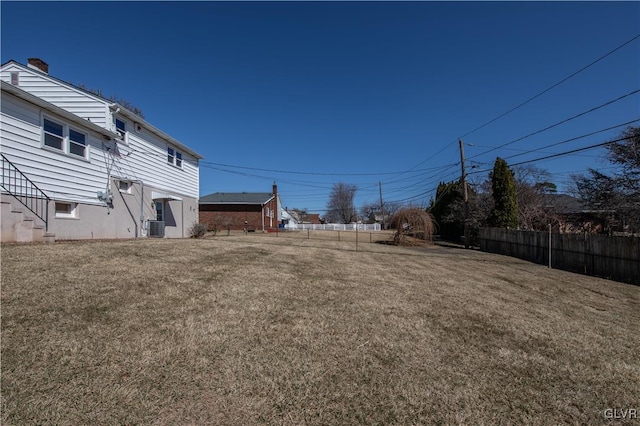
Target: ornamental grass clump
[{"x": 197, "y": 230}]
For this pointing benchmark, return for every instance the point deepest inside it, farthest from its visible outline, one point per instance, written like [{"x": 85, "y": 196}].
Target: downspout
[
  {"x": 141, "y": 206},
  {"x": 262, "y": 216}
]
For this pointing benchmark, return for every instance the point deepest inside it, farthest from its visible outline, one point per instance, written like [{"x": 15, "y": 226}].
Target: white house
[{"x": 78, "y": 166}]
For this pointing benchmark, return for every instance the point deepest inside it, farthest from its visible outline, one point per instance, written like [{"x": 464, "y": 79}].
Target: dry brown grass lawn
[{"x": 260, "y": 329}]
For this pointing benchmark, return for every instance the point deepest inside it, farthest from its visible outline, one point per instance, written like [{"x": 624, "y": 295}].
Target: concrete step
[{"x": 17, "y": 226}]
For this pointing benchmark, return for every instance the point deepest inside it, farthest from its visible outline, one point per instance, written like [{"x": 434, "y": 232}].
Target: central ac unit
[{"x": 156, "y": 228}]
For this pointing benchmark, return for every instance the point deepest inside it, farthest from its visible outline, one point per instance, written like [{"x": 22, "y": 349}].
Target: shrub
[
  {"x": 197, "y": 230},
  {"x": 412, "y": 222}
]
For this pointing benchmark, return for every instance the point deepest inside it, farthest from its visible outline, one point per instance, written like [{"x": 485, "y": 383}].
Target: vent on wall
[{"x": 156, "y": 228}]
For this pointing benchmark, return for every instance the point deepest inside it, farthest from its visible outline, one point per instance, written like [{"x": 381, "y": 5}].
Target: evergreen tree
[
  {"x": 448, "y": 210},
  {"x": 505, "y": 208}
]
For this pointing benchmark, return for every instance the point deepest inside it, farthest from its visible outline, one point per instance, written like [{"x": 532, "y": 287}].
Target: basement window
[
  {"x": 66, "y": 210},
  {"x": 124, "y": 186}
]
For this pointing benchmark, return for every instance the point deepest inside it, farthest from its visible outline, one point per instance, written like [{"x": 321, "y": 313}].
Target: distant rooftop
[{"x": 236, "y": 198}]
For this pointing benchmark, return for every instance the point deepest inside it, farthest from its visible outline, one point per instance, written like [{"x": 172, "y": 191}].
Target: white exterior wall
[
  {"x": 73, "y": 100},
  {"x": 60, "y": 176},
  {"x": 68, "y": 178},
  {"x": 144, "y": 158}
]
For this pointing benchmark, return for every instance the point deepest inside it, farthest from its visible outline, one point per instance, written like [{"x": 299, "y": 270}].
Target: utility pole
[
  {"x": 381, "y": 205},
  {"x": 466, "y": 196}
]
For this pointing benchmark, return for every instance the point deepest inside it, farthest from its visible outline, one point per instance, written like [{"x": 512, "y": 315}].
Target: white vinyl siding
[
  {"x": 59, "y": 94},
  {"x": 68, "y": 177},
  {"x": 62, "y": 177},
  {"x": 143, "y": 158},
  {"x": 149, "y": 161}
]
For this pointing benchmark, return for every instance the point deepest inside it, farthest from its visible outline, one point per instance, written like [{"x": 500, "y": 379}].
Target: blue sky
[{"x": 312, "y": 93}]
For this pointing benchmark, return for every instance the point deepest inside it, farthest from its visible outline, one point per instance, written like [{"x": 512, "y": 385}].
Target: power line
[
  {"x": 313, "y": 173},
  {"x": 560, "y": 154},
  {"x": 572, "y": 139},
  {"x": 552, "y": 87},
  {"x": 559, "y": 122}
]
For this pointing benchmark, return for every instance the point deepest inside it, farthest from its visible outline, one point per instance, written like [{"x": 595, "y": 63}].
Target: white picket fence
[{"x": 333, "y": 226}]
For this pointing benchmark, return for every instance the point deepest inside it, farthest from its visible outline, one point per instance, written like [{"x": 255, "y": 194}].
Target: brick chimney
[
  {"x": 39, "y": 64},
  {"x": 275, "y": 189}
]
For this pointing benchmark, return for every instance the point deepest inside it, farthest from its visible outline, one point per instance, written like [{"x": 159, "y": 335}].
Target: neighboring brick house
[{"x": 251, "y": 211}]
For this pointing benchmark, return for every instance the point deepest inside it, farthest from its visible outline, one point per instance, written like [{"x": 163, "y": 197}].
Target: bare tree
[
  {"x": 535, "y": 211},
  {"x": 369, "y": 211},
  {"x": 340, "y": 207},
  {"x": 113, "y": 98},
  {"x": 616, "y": 195}
]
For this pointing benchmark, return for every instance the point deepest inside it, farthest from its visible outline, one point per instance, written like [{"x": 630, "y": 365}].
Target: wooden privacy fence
[{"x": 616, "y": 258}]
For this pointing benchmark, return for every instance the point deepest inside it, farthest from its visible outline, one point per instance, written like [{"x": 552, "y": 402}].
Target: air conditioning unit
[{"x": 156, "y": 228}]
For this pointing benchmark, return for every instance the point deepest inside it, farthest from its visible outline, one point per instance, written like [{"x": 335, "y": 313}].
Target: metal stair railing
[{"x": 24, "y": 190}]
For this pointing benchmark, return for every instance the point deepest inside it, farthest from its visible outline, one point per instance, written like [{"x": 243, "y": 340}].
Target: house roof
[
  {"x": 237, "y": 198},
  {"x": 563, "y": 203},
  {"x": 113, "y": 106}
]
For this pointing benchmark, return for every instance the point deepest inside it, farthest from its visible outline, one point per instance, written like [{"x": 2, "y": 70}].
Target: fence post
[
  {"x": 549, "y": 245},
  {"x": 356, "y": 237},
  {"x": 308, "y": 234}
]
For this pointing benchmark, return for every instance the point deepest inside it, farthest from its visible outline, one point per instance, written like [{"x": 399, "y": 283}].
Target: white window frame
[
  {"x": 174, "y": 157},
  {"x": 65, "y": 139},
  {"x": 124, "y": 133},
  {"x": 124, "y": 186},
  {"x": 70, "y": 212}
]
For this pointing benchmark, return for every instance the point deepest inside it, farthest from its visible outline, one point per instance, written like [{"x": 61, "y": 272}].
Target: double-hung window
[
  {"x": 77, "y": 143},
  {"x": 174, "y": 157},
  {"x": 53, "y": 134},
  {"x": 61, "y": 137},
  {"x": 121, "y": 129}
]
